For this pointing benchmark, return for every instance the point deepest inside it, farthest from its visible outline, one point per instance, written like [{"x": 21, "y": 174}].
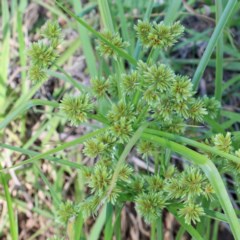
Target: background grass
[{"x": 33, "y": 191}]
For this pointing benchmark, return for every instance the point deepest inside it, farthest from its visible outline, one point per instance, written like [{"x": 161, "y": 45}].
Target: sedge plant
[{"x": 142, "y": 109}]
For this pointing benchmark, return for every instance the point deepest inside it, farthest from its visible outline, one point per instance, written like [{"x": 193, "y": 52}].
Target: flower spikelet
[
  {"x": 116, "y": 40},
  {"x": 150, "y": 205},
  {"x": 76, "y": 108},
  {"x": 142, "y": 29},
  {"x": 197, "y": 110},
  {"x": 93, "y": 147},
  {"x": 191, "y": 213},
  {"x": 182, "y": 88},
  {"x": 222, "y": 142}
]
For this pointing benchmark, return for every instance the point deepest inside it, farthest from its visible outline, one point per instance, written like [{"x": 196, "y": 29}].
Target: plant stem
[
  {"x": 180, "y": 233},
  {"x": 159, "y": 228},
  {"x": 106, "y": 15},
  {"x": 13, "y": 224},
  {"x": 153, "y": 230},
  {"x": 123, "y": 156},
  {"x": 212, "y": 42},
  {"x": 215, "y": 230},
  {"x": 219, "y": 56}
]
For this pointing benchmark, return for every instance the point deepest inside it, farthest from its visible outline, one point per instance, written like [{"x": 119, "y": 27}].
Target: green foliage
[
  {"x": 148, "y": 94},
  {"x": 67, "y": 210},
  {"x": 150, "y": 205},
  {"x": 191, "y": 212},
  {"x": 160, "y": 95}
]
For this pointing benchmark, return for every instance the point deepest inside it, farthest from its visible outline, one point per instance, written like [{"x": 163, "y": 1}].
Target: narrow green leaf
[
  {"x": 99, "y": 223},
  {"x": 59, "y": 148},
  {"x": 86, "y": 43},
  {"x": 12, "y": 219},
  {"x": 213, "y": 41},
  {"x": 219, "y": 56},
  {"x": 4, "y": 54},
  {"x": 20, "y": 110},
  {"x": 193, "y": 143}
]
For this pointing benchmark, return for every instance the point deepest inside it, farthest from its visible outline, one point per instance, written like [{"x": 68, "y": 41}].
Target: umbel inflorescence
[{"x": 150, "y": 93}]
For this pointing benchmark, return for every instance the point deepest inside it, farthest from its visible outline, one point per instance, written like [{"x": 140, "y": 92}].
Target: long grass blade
[
  {"x": 219, "y": 56},
  {"x": 12, "y": 220},
  {"x": 4, "y": 54},
  {"x": 86, "y": 43},
  {"x": 212, "y": 42},
  {"x": 59, "y": 148},
  {"x": 23, "y": 108}
]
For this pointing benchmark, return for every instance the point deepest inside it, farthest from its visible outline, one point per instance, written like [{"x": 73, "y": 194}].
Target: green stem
[
  {"x": 123, "y": 156},
  {"x": 153, "y": 230},
  {"x": 71, "y": 80},
  {"x": 211, "y": 172},
  {"x": 108, "y": 230},
  {"x": 159, "y": 228},
  {"x": 180, "y": 233},
  {"x": 117, "y": 225},
  {"x": 13, "y": 224},
  {"x": 219, "y": 56},
  {"x": 106, "y": 15},
  {"x": 212, "y": 42},
  {"x": 215, "y": 230}
]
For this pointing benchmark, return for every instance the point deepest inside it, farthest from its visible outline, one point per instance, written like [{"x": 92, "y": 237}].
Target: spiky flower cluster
[
  {"x": 186, "y": 190},
  {"x": 114, "y": 38},
  {"x": 43, "y": 53},
  {"x": 67, "y": 210},
  {"x": 150, "y": 205},
  {"x": 158, "y": 35},
  {"x": 191, "y": 212},
  {"x": 76, "y": 108},
  {"x": 99, "y": 180},
  {"x": 151, "y": 94}
]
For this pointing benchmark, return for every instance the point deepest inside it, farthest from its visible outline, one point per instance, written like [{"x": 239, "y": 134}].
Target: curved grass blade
[
  {"x": 13, "y": 224},
  {"x": 193, "y": 143},
  {"x": 31, "y": 153},
  {"x": 59, "y": 148},
  {"x": 213, "y": 41},
  {"x": 21, "y": 109}
]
